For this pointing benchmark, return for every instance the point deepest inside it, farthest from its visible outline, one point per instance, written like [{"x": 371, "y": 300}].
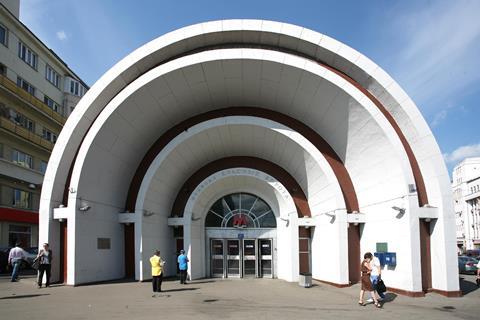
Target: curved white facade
[{"x": 334, "y": 126}]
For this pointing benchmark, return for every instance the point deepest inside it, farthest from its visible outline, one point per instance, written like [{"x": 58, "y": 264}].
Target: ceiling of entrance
[{"x": 129, "y": 125}]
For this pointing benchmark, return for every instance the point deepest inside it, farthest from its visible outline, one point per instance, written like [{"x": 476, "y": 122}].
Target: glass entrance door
[
  {"x": 249, "y": 258},
  {"x": 233, "y": 258},
  {"x": 217, "y": 254},
  {"x": 241, "y": 258},
  {"x": 265, "y": 258}
]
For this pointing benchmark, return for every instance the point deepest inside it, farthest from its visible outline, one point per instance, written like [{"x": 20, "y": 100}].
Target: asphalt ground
[{"x": 222, "y": 299}]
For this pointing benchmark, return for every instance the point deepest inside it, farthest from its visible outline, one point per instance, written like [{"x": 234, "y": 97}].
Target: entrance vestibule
[{"x": 241, "y": 229}]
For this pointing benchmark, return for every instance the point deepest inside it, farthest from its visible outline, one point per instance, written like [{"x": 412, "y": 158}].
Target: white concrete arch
[
  {"x": 253, "y": 181},
  {"x": 128, "y": 137},
  {"x": 305, "y": 41},
  {"x": 188, "y": 71},
  {"x": 327, "y": 183},
  {"x": 107, "y": 160}
]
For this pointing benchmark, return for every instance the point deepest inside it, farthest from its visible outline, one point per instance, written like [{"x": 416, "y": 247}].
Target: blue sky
[{"x": 432, "y": 48}]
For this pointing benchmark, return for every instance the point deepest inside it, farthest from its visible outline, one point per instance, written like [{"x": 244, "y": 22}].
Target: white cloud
[
  {"x": 439, "y": 117},
  {"x": 61, "y": 35},
  {"x": 472, "y": 150},
  {"x": 438, "y": 50}
]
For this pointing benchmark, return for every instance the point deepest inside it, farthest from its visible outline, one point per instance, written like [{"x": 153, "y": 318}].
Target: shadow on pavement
[
  {"x": 181, "y": 289},
  {"x": 389, "y": 297},
  {"x": 467, "y": 286},
  {"x": 24, "y": 296},
  {"x": 202, "y": 281}
]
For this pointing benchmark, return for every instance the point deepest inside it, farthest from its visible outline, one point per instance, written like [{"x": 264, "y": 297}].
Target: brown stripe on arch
[
  {"x": 289, "y": 182},
  {"x": 341, "y": 173}
]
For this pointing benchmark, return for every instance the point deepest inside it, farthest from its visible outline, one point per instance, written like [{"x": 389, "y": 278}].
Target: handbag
[
  {"x": 381, "y": 286},
  {"x": 36, "y": 263}
]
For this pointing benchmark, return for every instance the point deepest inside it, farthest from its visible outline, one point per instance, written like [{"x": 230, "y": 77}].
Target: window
[
  {"x": 22, "y": 199},
  {"x": 22, "y": 234},
  {"x": 49, "y": 135},
  {"x": 240, "y": 210},
  {"x": 103, "y": 243},
  {"x": 22, "y": 159},
  {"x": 27, "y": 55},
  {"x": 23, "y": 121},
  {"x": 43, "y": 166},
  {"x": 76, "y": 88},
  {"x": 3, "y": 35},
  {"x": 52, "y": 76},
  {"x": 51, "y": 104},
  {"x": 25, "y": 86},
  {"x": 3, "y": 69}
]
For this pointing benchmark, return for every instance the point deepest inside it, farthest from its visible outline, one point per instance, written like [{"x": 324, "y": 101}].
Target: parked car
[
  {"x": 467, "y": 264},
  {"x": 474, "y": 253},
  {"x": 4, "y": 259},
  {"x": 30, "y": 254}
]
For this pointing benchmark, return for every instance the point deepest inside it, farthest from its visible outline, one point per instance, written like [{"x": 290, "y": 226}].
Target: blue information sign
[{"x": 241, "y": 236}]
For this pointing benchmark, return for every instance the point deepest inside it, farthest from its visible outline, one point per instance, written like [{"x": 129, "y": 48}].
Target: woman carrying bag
[
  {"x": 44, "y": 261},
  {"x": 366, "y": 270}
]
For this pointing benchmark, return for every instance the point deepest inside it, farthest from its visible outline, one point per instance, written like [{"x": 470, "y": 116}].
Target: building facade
[
  {"x": 465, "y": 186},
  {"x": 37, "y": 94},
  {"x": 263, "y": 149}
]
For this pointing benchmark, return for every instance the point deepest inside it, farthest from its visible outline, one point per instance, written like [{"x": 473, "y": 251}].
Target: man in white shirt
[
  {"x": 375, "y": 275},
  {"x": 15, "y": 258}
]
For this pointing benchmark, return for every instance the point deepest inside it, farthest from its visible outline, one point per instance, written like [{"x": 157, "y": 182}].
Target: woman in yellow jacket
[{"x": 157, "y": 271}]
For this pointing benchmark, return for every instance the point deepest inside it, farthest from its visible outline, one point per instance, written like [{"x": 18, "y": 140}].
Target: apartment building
[
  {"x": 466, "y": 196},
  {"x": 38, "y": 91}
]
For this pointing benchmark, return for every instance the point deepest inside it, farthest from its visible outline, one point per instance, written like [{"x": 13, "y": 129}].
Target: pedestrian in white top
[
  {"x": 15, "y": 258},
  {"x": 375, "y": 275}
]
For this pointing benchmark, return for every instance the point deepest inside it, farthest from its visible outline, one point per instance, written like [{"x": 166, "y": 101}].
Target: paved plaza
[{"x": 221, "y": 299}]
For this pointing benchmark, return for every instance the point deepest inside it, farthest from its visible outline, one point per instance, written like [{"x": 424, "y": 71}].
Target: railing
[
  {"x": 37, "y": 103},
  {"x": 24, "y": 133}
]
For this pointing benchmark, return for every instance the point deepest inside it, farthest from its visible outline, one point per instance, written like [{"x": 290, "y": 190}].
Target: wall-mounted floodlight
[
  {"x": 332, "y": 216},
  {"x": 147, "y": 213},
  {"x": 401, "y": 211},
  {"x": 287, "y": 221},
  {"x": 84, "y": 205},
  {"x": 84, "y": 208}
]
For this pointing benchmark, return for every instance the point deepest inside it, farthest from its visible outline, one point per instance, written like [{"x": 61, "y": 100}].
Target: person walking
[
  {"x": 375, "y": 275},
  {"x": 183, "y": 266},
  {"x": 157, "y": 272},
  {"x": 478, "y": 274},
  {"x": 15, "y": 258},
  {"x": 366, "y": 269},
  {"x": 44, "y": 258}
]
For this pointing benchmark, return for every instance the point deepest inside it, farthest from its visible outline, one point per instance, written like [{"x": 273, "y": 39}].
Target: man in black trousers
[{"x": 157, "y": 272}]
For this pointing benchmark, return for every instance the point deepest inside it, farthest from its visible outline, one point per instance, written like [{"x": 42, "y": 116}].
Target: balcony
[
  {"x": 24, "y": 133},
  {"x": 34, "y": 101},
  {"x": 10, "y": 169}
]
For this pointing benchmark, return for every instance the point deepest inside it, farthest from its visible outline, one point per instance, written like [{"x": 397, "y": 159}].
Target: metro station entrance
[
  {"x": 241, "y": 258},
  {"x": 241, "y": 233}
]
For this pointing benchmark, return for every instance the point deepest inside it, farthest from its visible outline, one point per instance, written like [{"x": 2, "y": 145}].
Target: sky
[{"x": 431, "y": 48}]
